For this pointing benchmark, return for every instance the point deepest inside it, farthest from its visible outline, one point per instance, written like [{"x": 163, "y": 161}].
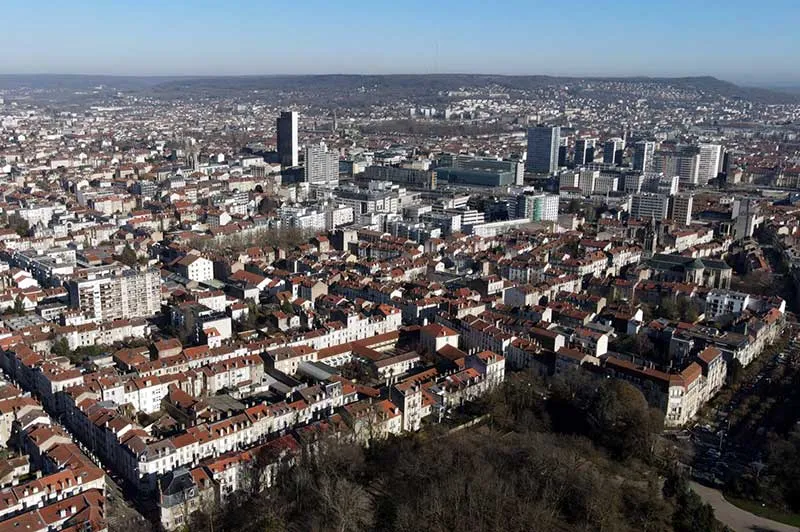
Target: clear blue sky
[{"x": 739, "y": 40}]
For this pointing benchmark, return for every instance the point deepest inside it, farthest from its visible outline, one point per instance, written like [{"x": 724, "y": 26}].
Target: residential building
[
  {"x": 710, "y": 163},
  {"x": 722, "y": 302},
  {"x": 537, "y": 207},
  {"x": 195, "y": 268},
  {"x": 321, "y": 166},
  {"x": 115, "y": 292}
]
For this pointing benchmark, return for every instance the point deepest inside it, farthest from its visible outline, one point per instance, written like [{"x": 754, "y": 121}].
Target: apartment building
[{"x": 115, "y": 292}]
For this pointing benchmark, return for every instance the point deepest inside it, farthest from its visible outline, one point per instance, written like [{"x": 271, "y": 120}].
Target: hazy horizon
[
  {"x": 731, "y": 41},
  {"x": 777, "y": 85}
]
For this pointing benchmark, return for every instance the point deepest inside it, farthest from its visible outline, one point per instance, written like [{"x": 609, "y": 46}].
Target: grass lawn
[{"x": 764, "y": 511}]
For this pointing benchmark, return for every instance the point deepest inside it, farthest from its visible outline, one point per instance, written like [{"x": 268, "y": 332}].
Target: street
[
  {"x": 727, "y": 442},
  {"x": 727, "y": 439},
  {"x": 735, "y": 518},
  {"x": 121, "y": 514}
]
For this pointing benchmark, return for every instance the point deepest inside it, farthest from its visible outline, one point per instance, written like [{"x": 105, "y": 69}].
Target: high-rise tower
[{"x": 287, "y": 139}]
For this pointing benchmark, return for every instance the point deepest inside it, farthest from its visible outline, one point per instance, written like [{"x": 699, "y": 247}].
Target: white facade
[
  {"x": 710, "y": 163},
  {"x": 321, "y": 166},
  {"x": 587, "y": 181},
  {"x": 338, "y": 216},
  {"x": 649, "y": 206},
  {"x": 549, "y": 208},
  {"x": 605, "y": 184},
  {"x": 199, "y": 269},
  {"x": 116, "y": 293},
  {"x": 720, "y": 302}
]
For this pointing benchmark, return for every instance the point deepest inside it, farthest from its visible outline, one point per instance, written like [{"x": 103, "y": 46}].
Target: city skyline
[
  {"x": 196, "y": 39},
  {"x": 256, "y": 275}
]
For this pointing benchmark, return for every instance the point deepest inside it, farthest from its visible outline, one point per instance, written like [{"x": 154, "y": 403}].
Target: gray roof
[
  {"x": 664, "y": 261},
  {"x": 176, "y": 486},
  {"x": 316, "y": 370}
]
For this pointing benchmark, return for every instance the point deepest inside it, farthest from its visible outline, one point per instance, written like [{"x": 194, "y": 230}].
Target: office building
[
  {"x": 643, "y": 154},
  {"x": 472, "y": 177},
  {"x": 727, "y": 160},
  {"x": 321, "y": 166},
  {"x": 526, "y": 206},
  {"x": 710, "y": 163},
  {"x": 287, "y": 139},
  {"x": 411, "y": 177},
  {"x": 468, "y": 216},
  {"x": 537, "y": 207},
  {"x": 469, "y": 162},
  {"x": 584, "y": 151},
  {"x": 660, "y": 184},
  {"x": 633, "y": 183},
  {"x": 683, "y": 161},
  {"x": 449, "y": 222},
  {"x": 649, "y": 206},
  {"x": 568, "y": 179},
  {"x": 613, "y": 150},
  {"x": 376, "y": 197},
  {"x": 115, "y": 292},
  {"x": 587, "y": 180},
  {"x": 543, "y": 144},
  {"x": 605, "y": 184},
  {"x": 681, "y": 208}
]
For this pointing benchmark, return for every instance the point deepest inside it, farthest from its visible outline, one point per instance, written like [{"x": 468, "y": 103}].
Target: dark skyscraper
[
  {"x": 562, "y": 155},
  {"x": 613, "y": 150},
  {"x": 287, "y": 139},
  {"x": 584, "y": 151},
  {"x": 543, "y": 144},
  {"x": 643, "y": 154}
]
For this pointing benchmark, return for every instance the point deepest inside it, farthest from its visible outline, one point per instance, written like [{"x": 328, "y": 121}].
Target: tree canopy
[{"x": 578, "y": 460}]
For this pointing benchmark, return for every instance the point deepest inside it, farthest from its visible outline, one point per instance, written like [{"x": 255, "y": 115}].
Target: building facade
[
  {"x": 643, "y": 154},
  {"x": 287, "y": 138},
  {"x": 321, "y": 166},
  {"x": 115, "y": 292},
  {"x": 543, "y": 143},
  {"x": 645, "y": 205}
]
